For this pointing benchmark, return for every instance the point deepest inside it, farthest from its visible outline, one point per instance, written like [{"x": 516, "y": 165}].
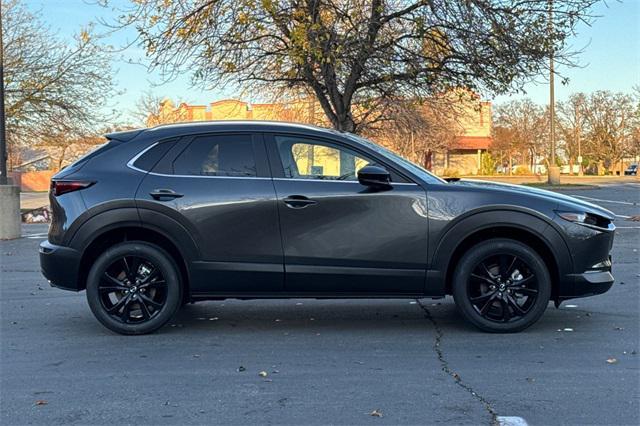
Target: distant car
[
  {"x": 206, "y": 211},
  {"x": 632, "y": 170}
]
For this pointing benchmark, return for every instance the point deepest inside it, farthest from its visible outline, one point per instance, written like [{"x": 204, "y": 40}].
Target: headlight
[{"x": 588, "y": 219}]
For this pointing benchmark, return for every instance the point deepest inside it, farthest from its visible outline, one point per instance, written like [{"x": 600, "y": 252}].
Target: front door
[{"x": 339, "y": 236}]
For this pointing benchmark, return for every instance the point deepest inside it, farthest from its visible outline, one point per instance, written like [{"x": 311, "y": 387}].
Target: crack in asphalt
[{"x": 437, "y": 346}]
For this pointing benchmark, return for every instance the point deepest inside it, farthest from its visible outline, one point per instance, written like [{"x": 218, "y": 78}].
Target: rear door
[
  {"x": 339, "y": 236},
  {"x": 218, "y": 187}
]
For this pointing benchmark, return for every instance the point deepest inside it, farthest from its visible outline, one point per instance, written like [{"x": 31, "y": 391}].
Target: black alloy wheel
[
  {"x": 501, "y": 285},
  {"x": 134, "y": 288},
  {"x": 502, "y": 288}
]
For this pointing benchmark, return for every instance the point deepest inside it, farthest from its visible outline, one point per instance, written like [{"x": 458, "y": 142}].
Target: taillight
[{"x": 59, "y": 187}]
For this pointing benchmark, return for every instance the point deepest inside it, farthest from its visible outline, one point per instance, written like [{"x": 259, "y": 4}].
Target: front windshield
[{"x": 412, "y": 167}]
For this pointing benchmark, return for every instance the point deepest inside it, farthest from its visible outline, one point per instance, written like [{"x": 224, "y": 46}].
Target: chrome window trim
[
  {"x": 138, "y": 155},
  {"x": 340, "y": 181},
  {"x": 141, "y": 153}
]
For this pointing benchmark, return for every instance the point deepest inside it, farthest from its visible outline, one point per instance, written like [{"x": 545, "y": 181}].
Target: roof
[
  {"x": 472, "y": 142},
  {"x": 177, "y": 129},
  {"x": 185, "y": 128}
]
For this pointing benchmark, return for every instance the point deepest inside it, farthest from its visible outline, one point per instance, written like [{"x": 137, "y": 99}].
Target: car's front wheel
[
  {"x": 501, "y": 286},
  {"x": 134, "y": 288}
]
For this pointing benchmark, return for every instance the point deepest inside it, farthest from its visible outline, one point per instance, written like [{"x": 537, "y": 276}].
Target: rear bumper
[{"x": 60, "y": 265}]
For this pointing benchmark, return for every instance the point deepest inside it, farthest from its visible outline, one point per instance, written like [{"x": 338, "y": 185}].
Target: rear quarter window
[{"x": 153, "y": 155}]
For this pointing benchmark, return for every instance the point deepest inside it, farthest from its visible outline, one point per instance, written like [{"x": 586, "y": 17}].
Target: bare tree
[
  {"x": 152, "y": 110},
  {"x": 417, "y": 129},
  {"x": 505, "y": 144},
  {"x": 53, "y": 88},
  {"x": 521, "y": 129},
  {"x": 571, "y": 122},
  {"x": 612, "y": 119},
  {"x": 356, "y": 53}
]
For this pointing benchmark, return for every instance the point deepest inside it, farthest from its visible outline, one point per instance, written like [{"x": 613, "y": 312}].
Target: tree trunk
[
  {"x": 428, "y": 155},
  {"x": 570, "y": 166}
]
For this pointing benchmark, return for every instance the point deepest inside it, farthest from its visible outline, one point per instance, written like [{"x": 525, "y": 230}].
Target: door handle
[
  {"x": 298, "y": 201},
  {"x": 158, "y": 194}
]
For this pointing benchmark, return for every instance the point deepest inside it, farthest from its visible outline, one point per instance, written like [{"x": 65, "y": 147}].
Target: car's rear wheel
[
  {"x": 134, "y": 288},
  {"x": 501, "y": 286}
]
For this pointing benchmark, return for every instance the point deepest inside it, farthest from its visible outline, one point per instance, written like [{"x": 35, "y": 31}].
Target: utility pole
[
  {"x": 9, "y": 194},
  {"x": 3, "y": 135},
  {"x": 553, "y": 177}
]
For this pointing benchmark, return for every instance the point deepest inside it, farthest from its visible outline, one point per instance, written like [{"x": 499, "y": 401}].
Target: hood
[{"x": 565, "y": 202}]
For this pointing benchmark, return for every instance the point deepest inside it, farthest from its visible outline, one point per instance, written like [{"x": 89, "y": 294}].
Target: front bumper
[
  {"x": 591, "y": 282},
  {"x": 60, "y": 265}
]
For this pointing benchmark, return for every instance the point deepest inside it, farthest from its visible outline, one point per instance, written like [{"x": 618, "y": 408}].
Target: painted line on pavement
[
  {"x": 626, "y": 203},
  {"x": 511, "y": 421},
  {"x": 40, "y": 235}
]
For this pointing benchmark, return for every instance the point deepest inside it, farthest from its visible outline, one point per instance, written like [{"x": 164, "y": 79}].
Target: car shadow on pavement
[{"x": 329, "y": 316}]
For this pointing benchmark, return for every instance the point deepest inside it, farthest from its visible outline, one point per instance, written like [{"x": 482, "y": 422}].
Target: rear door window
[{"x": 217, "y": 155}]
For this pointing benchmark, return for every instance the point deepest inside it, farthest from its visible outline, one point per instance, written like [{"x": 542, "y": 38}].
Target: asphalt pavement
[{"x": 364, "y": 362}]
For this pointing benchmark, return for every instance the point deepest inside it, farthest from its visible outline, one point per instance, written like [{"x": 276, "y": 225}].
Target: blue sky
[{"x": 610, "y": 61}]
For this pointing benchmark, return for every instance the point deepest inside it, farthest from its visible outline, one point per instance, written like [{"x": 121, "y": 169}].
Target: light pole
[
  {"x": 3, "y": 135},
  {"x": 9, "y": 194},
  {"x": 553, "y": 177}
]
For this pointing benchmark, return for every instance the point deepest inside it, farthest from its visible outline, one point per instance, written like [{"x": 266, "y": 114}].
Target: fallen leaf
[
  {"x": 612, "y": 361},
  {"x": 263, "y": 374},
  {"x": 376, "y": 413},
  {"x": 41, "y": 402}
]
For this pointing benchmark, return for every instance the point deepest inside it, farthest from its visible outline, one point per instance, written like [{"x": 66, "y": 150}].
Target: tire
[
  {"x": 501, "y": 286},
  {"x": 134, "y": 287}
]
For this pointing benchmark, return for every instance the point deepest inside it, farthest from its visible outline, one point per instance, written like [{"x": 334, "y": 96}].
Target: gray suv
[{"x": 159, "y": 217}]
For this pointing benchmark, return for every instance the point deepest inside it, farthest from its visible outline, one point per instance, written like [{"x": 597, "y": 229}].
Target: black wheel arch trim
[
  {"x": 122, "y": 210},
  {"x": 131, "y": 217},
  {"x": 488, "y": 217}
]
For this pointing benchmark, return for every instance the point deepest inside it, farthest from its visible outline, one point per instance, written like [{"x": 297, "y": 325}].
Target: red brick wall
[{"x": 33, "y": 181}]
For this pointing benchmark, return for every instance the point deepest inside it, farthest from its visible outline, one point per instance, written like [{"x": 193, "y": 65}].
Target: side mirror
[{"x": 374, "y": 176}]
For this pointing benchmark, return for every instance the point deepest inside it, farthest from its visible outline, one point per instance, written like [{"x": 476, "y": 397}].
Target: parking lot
[{"x": 326, "y": 361}]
